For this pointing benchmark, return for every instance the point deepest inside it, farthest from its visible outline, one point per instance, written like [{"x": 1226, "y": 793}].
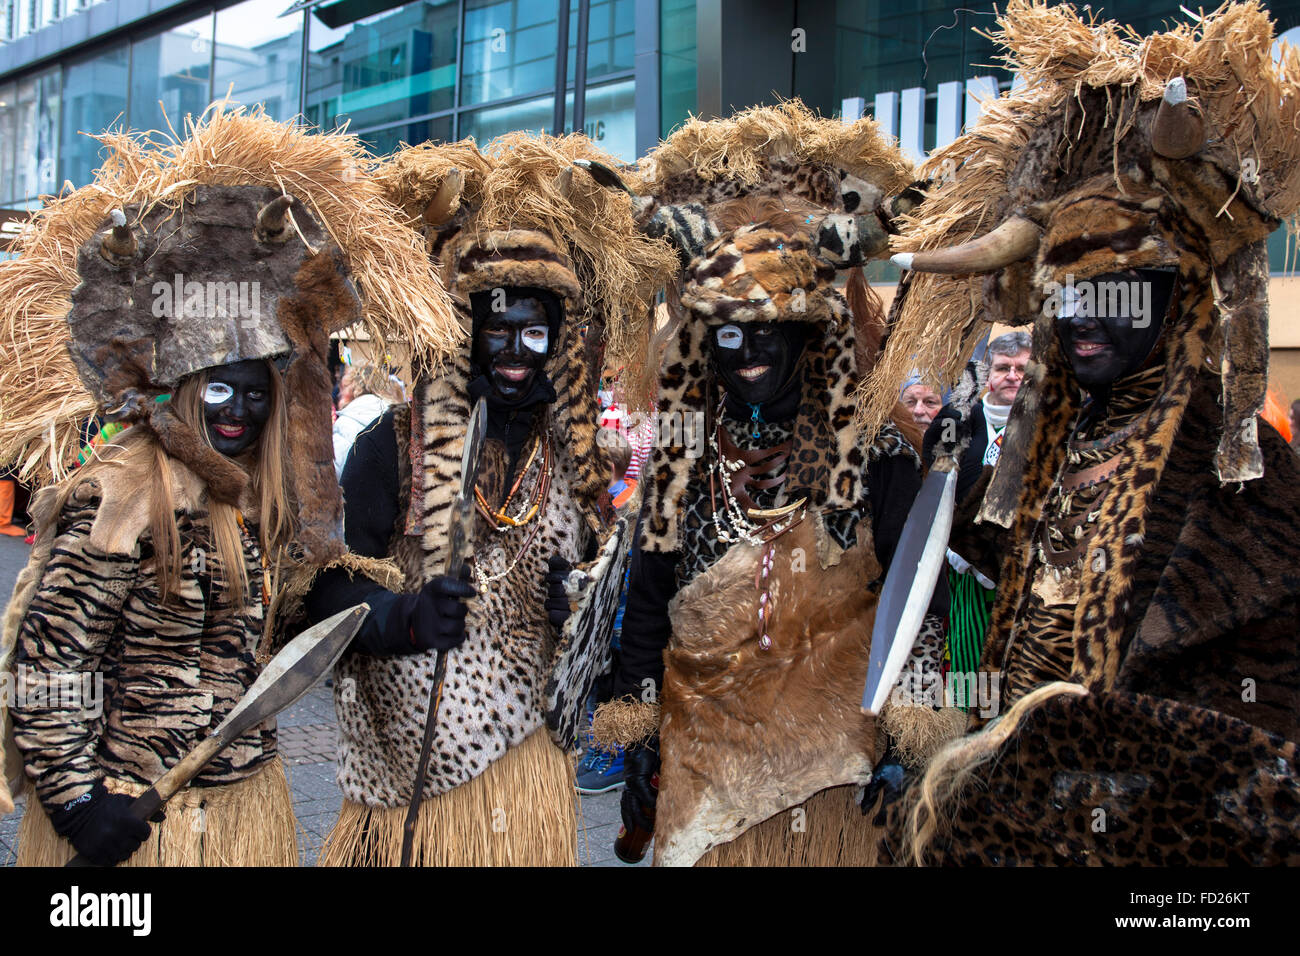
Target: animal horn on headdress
[
  {"x": 564, "y": 181},
  {"x": 1178, "y": 130},
  {"x": 118, "y": 244},
  {"x": 445, "y": 201},
  {"x": 1015, "y": 239},
  {"x": 604, "y": 176},
  {"x": 273, "y": 220}
]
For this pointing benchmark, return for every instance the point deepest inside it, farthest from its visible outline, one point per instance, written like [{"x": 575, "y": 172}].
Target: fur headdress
[
  {"x": 1181, "y": 148},
  {"x": 763, "y": 208},
  {"x": 750, "y": 275},
  {"x": 239, "y": 242},
  {"x": 527, "y": 211}
]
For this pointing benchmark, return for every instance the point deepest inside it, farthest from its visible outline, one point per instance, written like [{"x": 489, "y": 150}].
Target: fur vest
[{"x": 494, "y": 692}]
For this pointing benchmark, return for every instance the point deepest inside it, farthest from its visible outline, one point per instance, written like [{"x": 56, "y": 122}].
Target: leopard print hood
[{"x": 759, "y": 274}]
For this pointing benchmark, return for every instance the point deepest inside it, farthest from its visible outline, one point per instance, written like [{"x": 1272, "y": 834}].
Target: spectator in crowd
[
  {"x": 921, "y": 400},
  {"x": 971, "y": 593},
  {"x": 364, "y": 394},
  {"x": 1006, "y": 359},
  {"x": 10, "y": 507}
]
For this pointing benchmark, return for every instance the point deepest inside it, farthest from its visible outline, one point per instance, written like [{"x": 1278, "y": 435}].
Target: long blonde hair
[{"x": 148, "y": 463}]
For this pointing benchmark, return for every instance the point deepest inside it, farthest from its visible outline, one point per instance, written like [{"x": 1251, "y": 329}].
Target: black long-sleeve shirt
[{"x": 370, "y": 515}]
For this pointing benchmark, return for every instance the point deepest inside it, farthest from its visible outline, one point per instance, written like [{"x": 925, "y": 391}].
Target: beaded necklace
[
  {"x": 772, "y": 523},
  {"x": 500, "y": 522}
]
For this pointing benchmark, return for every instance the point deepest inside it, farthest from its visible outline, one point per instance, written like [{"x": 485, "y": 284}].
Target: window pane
[
  {"x": 8, "y": 120},
  {"x": 380, "y": 68},
  {"x": 384, "y": 141},
  {"x": 261, "y": 55},
  {"x": 610, "y": 37},
  {"x": 509, "y": 49},
  {"x": 94, "y": 99},
  {"x": 677, "y": 82},
  {"x": 170, "y": 76},
  {"x": 611, "y": 118}
]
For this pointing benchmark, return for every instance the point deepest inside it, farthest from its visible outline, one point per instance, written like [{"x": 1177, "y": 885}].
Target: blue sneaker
[{"x": 600, "y": 771}]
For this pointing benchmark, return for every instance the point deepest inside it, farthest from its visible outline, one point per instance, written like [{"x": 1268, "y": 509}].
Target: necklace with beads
[
  {"x": 760, "y": 527},
  {"x": 500, "y": 522}
]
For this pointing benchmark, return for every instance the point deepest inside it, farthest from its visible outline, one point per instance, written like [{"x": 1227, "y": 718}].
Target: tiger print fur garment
[
  {"x": 158, "y": 564},
  {"x": 1147, "y": 529},
  {"x": 89, "y": 604}
]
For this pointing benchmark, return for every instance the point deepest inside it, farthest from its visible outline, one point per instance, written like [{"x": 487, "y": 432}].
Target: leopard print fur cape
[
  {"x": 495, "y": 692},
  {"x": 1119, "y": 779}
]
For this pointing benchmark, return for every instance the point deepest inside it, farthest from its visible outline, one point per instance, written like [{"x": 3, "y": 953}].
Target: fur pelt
[
  {"x": 320, "y": 288},
  {"x": 1109, "y": 779},
  {"x": 747, "y": 733}
]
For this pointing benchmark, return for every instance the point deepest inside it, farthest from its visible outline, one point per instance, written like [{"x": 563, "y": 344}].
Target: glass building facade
[
  {"x": 389, "y": 71},
  {"x": 394, "y": 71}
]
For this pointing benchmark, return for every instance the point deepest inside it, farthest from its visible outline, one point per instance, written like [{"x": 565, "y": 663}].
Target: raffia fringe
[
  {"x": 249, "y": 823},
  {"x": 624, "y": 722},
  {"x": 518, "y": 812},
  {"x": 836, "y": 833},
  {"x": 918, "y": 733}
]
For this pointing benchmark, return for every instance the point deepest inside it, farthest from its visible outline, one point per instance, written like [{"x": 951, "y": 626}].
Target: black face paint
[
  {"x": 236, "y": 405},
  {"x": 511, "y": 347},
  {"x": 756, "y": 359},
  {"x": 1110, "y": 324}
]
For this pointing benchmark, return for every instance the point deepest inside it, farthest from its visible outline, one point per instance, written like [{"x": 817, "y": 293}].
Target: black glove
[
  {"x": 888, "y": 778},
  {"x": 557, "y": 599},
  {"x": 431, "y": 619},
  {"x": 641, "y": 766},
  {"x": 100, "y": 826}
]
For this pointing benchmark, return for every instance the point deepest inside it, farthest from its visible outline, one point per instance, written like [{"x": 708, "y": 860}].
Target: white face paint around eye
[
  {"x": 537, "y": 338},
  {"x": 729, "y": 337},
  {"x": 217, "y": 393}
]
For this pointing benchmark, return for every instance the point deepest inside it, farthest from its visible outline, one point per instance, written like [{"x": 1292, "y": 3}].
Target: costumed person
[
  {"x": 172, "y": 287},
  {"x": 547, "y": 266},
  {"x": 1143, "y": 522},
  {"x": 768, "y": 524}
]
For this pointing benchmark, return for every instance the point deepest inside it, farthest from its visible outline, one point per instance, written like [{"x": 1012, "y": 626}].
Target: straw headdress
[
  {"x": 43, "y": 403},
  {"x": 522, "y": 182},
  {"x": 1197, "y": 130}
]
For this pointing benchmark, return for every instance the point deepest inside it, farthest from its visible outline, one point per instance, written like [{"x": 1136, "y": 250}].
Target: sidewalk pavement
[{"x": 308, "y": 733}]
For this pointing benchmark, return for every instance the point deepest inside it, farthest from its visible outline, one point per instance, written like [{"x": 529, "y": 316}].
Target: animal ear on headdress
[
  {"x": 119, "y": 245},
  {"x": 686, "y": 225},
  {"x": 861, "y": 233}
]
